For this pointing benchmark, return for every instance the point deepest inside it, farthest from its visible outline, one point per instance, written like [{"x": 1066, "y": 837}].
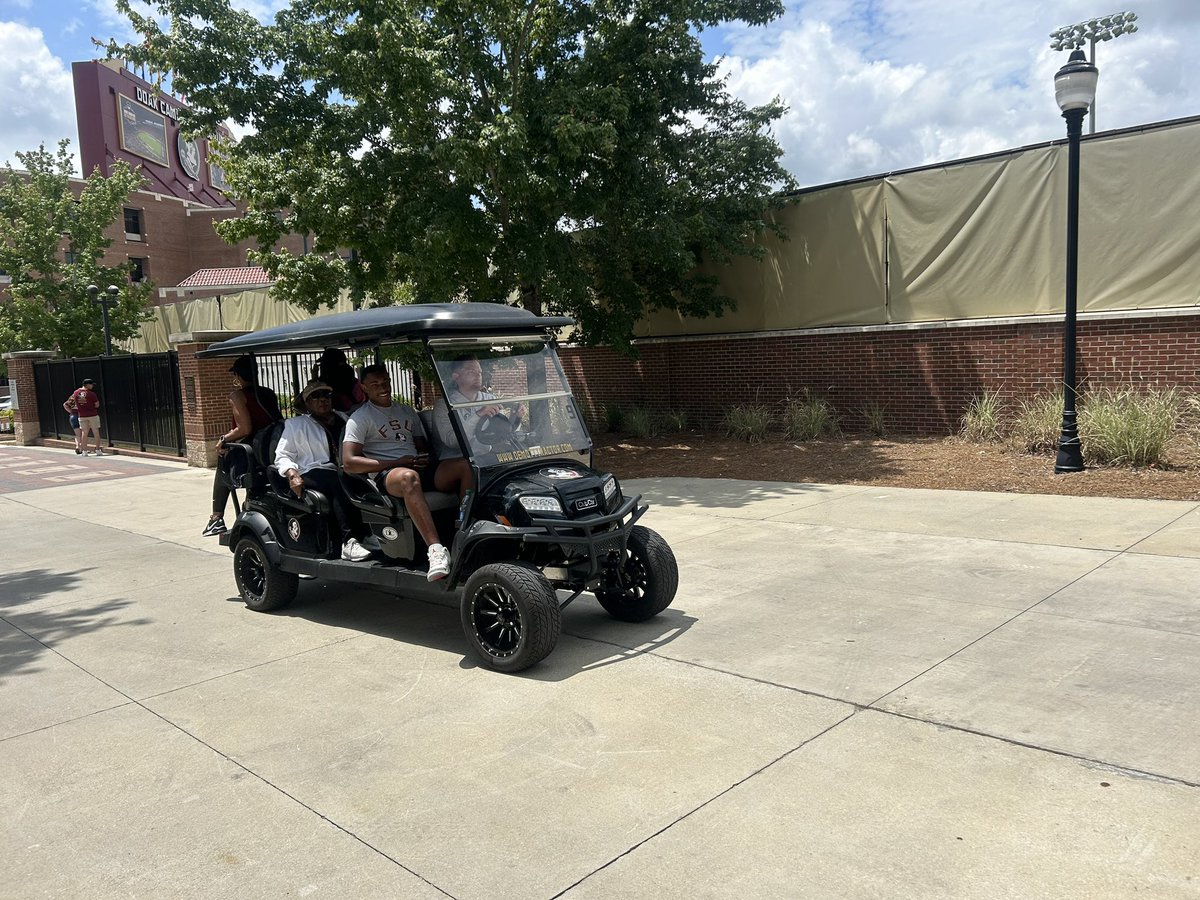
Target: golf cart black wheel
[
  {"x": 644, "y": 583},
  {"x": 510, "y": 616},
  {"x": 263, "y": 585}
]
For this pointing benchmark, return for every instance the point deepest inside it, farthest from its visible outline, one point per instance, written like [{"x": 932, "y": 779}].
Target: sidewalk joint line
[
  {"x": 711, "y": 799},
  {"x": 1054, "y": 751},
  {"x": 993, "y": 630}
]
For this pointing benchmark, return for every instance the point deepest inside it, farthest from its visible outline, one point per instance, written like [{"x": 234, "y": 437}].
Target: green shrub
[
  {"x": 1038, "y": 423},
  {"x": 875, "y": 417},
  {"x": 640, "y": 423},
  {"x": 748, "y": 422},
  {"x": 1127, "y": 426},
  {"x": 612, "y": 417},
  {"x": 984, "y": 418},
  {"x": 674, "y": 420},
  {"x": 808, "y": 418}
]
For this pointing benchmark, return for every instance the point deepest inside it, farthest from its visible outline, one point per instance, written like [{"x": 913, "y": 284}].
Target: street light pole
[
  {"x": 1075, "y": 90},
  {"x": 104, "y": 303}
]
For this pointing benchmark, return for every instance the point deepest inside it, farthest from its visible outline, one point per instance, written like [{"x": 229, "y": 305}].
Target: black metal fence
[
  {"x": 140, "y": 405},
  {"x": 286, "y": 374},
  {"x": 140, "y": 400}
]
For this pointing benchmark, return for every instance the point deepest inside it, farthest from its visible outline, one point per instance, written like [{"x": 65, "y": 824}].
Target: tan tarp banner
[
  {"x": 244, "y": 311},
  {"x": 978, "y": 239},
  {"x": 828, "y": 272},
  {"x": 1139, "y": 231},
  {"x": 972, "y": 239}
]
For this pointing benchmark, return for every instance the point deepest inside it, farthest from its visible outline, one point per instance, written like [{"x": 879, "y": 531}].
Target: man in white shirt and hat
[{"x": 305, "y": 457}]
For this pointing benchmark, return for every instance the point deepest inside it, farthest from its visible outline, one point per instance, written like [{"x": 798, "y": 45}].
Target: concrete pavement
[{"x": 859, "y": 692}]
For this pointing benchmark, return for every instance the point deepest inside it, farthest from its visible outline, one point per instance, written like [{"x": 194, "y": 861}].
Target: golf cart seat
[{"x": 265, "y": 443}]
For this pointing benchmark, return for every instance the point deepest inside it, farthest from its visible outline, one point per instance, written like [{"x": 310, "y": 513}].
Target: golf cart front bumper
[{"x": 588, "y": 542}]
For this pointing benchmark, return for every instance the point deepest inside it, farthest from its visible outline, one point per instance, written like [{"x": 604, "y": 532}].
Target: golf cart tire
[
  {"x": 651, "y": 576},
  {"x": 262, "y": 584},
  {"x": 510, "y": 616}
]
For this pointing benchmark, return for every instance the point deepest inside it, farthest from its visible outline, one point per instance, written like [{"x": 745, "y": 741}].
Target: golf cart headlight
[
  {"x": 609, "y": 488},
  {"x": 542, "y": 504}
]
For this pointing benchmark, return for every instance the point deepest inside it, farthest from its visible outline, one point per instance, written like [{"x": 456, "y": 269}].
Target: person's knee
[{"x": 403, "y": 481}]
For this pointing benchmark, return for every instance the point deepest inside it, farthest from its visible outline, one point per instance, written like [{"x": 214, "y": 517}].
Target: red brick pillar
[
  {"x": 26, "y": 427},
  {"x": 205, "y": 384}
]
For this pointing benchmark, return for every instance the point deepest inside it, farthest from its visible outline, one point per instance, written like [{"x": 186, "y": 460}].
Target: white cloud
[
  {"x": 879, "y": 85},
  {"x": 36, "y": 94}
]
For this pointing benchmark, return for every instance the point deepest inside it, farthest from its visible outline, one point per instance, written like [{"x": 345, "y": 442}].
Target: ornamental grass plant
[
  {"x": 984, "y": 418},
  {"x": 1129, "y": 427},
  {"x": 1037, "y": 425},
  {"x": 639, "y": 422},
  {"x": 808, "y": 418},
  {"x": 748, "y": 422},
  {"x": 875, "y": 417}
]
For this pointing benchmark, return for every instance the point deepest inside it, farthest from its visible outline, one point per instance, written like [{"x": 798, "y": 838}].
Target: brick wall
[
  {"x": 27, "y": 429},
  {"x": 923, "y": 377},
  {"x": 205, "y": 384}
]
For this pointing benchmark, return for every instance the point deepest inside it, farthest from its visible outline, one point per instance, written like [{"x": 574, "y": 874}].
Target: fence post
[
  {"x": 27, "y": 427},
  {"x": 137, "y": 405},
  {"x": 205, "y": 385}
]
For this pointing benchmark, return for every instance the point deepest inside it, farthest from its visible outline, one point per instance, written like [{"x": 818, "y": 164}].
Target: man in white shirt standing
[
  {"x": 386, "y": 441},
  {"x": 305, "y": 457}
]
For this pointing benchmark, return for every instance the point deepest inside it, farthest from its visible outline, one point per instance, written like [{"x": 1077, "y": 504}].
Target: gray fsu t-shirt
[{"x": 385, "y": 433}]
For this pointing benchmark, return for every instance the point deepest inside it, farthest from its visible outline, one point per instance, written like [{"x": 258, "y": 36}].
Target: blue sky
[{"x": 872, "y": 85}]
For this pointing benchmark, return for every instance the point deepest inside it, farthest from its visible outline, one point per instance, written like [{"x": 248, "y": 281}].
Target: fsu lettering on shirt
[{"x": 385, "y": 432}]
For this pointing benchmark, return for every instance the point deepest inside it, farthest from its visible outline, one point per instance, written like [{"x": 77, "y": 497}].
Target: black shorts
[{"x": 426, "y": 475}]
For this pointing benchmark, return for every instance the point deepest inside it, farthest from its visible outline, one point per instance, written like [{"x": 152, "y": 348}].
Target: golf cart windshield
[{"x": 509, "y": 400}]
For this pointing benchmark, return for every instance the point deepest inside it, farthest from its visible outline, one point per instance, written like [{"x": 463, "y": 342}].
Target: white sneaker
[
  {"x": 354, "y": 551},
  {"x": 371, "y": 543},
  {"x": 439, "y": 563}
]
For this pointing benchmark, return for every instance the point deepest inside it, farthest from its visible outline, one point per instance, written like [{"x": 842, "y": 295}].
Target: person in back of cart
[
  {"x": 335, "y": 370},
  {"x": 254, "y": 408},
  {"x": 87, "y": 408}
]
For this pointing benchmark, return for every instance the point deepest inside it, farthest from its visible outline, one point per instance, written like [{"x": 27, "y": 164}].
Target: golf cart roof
[{"x": 390, "y": 325}]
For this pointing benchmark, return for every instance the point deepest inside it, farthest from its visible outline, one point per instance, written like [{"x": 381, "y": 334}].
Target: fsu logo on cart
[{"x": 294, "y": 529}]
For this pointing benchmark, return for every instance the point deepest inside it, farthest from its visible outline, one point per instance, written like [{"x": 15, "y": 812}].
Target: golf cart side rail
[{"x": 389, "y": 325}]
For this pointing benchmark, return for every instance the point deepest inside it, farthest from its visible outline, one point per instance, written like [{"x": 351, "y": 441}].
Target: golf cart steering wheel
[{"x": 493, "y": 430}]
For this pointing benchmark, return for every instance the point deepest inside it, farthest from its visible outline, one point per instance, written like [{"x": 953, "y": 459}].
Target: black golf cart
[{"x": 540, "y": 522}]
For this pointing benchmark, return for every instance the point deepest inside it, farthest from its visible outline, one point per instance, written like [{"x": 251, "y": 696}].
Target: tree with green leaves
[
  {"x": 579, "y": 154},
  {"x": 51, "y": 245}
]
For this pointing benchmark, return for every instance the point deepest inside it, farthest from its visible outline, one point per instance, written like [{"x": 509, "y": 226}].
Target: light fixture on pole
[
  {"x": 104, "y": 303},
  {"x": 1105, "y": 28},
  {"x": 1075, "y": 91}
]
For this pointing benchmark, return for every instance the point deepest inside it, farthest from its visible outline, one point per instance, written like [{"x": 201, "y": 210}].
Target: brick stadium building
[{"x": 166, "y": 230}]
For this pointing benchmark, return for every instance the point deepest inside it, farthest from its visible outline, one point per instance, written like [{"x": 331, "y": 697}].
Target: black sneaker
[{"x": 214, "y": 527}]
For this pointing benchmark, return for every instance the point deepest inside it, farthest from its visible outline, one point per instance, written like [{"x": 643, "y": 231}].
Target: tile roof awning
[{"x": 240, "y": 277}]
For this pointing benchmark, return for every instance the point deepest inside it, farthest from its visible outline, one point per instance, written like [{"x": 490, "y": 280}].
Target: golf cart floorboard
[{"x": 389, "y": 576}]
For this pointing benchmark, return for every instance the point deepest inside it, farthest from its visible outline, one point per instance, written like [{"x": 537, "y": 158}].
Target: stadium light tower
[{"x": 1105, "y": 28}]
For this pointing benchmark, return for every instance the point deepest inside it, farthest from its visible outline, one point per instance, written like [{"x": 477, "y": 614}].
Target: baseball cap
[
  {"x": 88, "y": 381},
  {"x": 314, "y": 387}
]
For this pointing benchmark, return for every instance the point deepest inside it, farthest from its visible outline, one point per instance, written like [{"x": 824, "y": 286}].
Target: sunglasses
[{"x": 321, "y": 395}]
